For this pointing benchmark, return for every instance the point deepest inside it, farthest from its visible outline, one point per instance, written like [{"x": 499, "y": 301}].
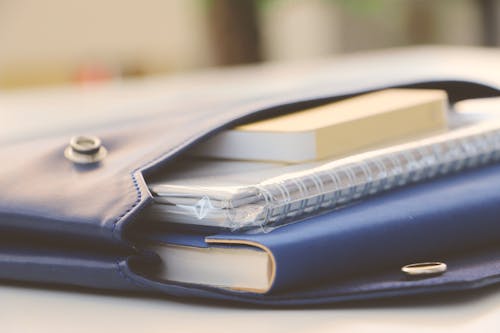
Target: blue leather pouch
[{"x": 65, "y": 224}]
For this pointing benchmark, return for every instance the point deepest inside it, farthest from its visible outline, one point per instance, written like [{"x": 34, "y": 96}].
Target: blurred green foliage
[{"x": 360, "y": 7}]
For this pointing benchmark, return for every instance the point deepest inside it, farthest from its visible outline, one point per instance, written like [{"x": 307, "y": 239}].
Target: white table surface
[{"x": 30, "y": 309}]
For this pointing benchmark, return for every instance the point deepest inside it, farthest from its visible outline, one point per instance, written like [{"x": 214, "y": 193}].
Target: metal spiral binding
[{"x": 340, "y": 182}]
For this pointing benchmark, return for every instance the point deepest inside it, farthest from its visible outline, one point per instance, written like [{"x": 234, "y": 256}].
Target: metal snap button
[
  {"x": 425, "y": 268},
  {"x": 85, "y": 149}
]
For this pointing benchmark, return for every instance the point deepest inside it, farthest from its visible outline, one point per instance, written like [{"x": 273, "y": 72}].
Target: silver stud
[
  {"x": 425, "y": 268},
  {"x": 85, "y": 149}
]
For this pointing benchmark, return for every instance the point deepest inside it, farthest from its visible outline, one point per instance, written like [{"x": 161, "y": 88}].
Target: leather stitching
[
  {"x": 138, "y": 199},
  {"x": 127, "y": 278}
]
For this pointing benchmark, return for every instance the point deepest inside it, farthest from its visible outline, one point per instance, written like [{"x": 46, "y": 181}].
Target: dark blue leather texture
[{"x": 70, "y": 225}]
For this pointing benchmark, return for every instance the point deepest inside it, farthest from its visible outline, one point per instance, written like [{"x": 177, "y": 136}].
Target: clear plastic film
[{"x": 296, "y": 195}]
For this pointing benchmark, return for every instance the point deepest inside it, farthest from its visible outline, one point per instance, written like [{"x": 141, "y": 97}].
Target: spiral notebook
[{"x": 239, "y": 194}]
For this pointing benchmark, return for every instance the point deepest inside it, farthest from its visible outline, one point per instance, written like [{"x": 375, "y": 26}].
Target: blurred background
[{"x": 59, "y": 41}]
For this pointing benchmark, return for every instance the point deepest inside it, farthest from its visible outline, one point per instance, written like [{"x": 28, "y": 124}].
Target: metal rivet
[
  {"x": 85, "y": 149},
  {"x": 424, "y": 268}
]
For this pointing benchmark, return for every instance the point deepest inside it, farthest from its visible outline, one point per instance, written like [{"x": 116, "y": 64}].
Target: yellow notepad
[{"x": 334, "y": 129}]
